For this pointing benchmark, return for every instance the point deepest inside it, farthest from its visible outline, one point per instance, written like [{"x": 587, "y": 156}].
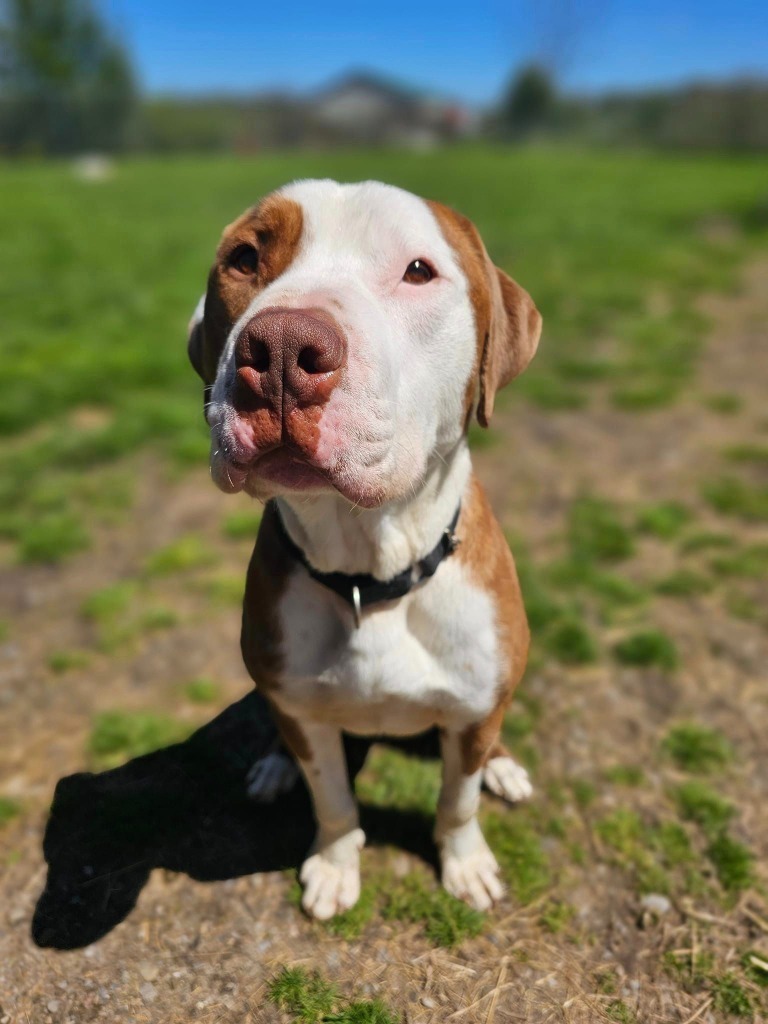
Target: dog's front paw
[
  {"x": 331, "y": 876},
  {"x": 507, "y": 779},
  {"x": 469, "y": 869}
]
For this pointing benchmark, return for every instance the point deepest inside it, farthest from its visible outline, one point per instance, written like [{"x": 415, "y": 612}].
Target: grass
[
  {"x": 393, "y": 779},
  {"x": 646, "y": 648},
  {"x": 734, "y": 497},
  {"x": 524, "y": 864},
  {"x": 446, "y": 920},
  {"x": 242, "y": 525},
  {"x": 698, "y": 802},
  {"x": 571, "y": 643},
  {"x": 597, "y": 533},
  {"x": 122, "y": 611},
  {"x": 665, "y": 520},
  {"x": 186, "y": 553},
  {"x": 730, "y": 996},
  {"x": 111, "y": 313},
  {"x": 684, "y": 583},
  {"x": 202, "y": 691},
  {"x": 9, "y": 809},
  {"x": 118, "y": 736},
  {"x": 733, "y": 863},
  {"x": 310, "y": 999},
  {"x": 696, "y": 748},
  {"x": 66, "y": 661}
]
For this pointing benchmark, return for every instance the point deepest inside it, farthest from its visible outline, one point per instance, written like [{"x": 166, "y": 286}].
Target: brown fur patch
[
  {"x": 261, "y": 638},
  {"x": 485, "y": 553},
  {"x": 274, "y": 227},
  {"x": 507, "y": 323},
  {"x": 464, "y": 238}
]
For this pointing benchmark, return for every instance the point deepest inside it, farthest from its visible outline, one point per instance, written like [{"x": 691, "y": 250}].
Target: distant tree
[
  {"x": 66, "y": 84},
  {"x": 530, "y": 103}
]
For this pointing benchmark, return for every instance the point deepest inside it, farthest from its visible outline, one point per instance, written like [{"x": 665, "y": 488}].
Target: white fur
[{"x": 508, "y": 779}]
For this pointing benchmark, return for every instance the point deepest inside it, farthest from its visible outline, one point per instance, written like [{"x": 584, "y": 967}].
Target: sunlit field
[{"x": 629, "y": 467}]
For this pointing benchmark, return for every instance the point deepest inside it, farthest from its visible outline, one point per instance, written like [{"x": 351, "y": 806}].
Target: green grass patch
[
  {"x": 696, "y": 748},
  {"x": 446, "y": 920},
  {"x": 183, "y": 555},
  {"x": 754, "y": 454},
  {"x": 557, "y": 916},
  {"x": 749, "y": 562},
  {"x": 118, "y": 736},
  {"x": 242, "y": 525},
  {"x": 724, "y": 403},
  {"x": 665, "y": 520},
  {"x": 596, "y": 532},
  {"x": 659, "y": 856},
  {"x": 733, "y": 863},
  {"x": 521, "y": 856},
  {"x": 304, "y": 994},
  {"x": 571, "y": 643},
  {"x": 225, "y": 589},
  {"x": 66, "y": 661},
  {"x": 350, "y": 924},
  {"x": 52, "y": 537},
  {"x": 121, "y": 612},
  {"x": 733, "y": 497},
  {"x": 729, "y": 995},
  {"x": 684, "y": 583},
  {"x": 9, "y": 809},
  {"x": 706, "y": 540},
  {"x": 645, "y": 648},
  {"x": 625, "y": 775},
  {"x": 393, "y": 779},
  {"x": 744, "y": 607},
  {"x": 617, "y": 1010},
  {"x": 202, "y": 691},
  {"x": 698, "y": 802}
]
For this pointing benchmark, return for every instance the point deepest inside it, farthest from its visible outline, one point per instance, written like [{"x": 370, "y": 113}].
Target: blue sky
[{"x": 463, "y": 49}]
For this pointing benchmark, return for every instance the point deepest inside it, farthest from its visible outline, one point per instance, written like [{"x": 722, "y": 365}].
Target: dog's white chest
[{"x": 429, "y": 658}]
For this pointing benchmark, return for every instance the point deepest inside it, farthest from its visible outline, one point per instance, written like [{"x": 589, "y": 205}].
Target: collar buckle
[{"x": 356, "y": 606}]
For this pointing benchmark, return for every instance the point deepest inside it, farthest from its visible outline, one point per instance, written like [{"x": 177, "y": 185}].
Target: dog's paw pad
[
  {"x": 331, "y": 877},
  {"x": 270, "y": 776},
  {"x": 473, "y": 878},
  {"x": 507, "y": 779}
]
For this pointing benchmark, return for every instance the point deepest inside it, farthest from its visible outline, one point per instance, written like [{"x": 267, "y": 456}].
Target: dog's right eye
[{"x": 245, "y": 260}]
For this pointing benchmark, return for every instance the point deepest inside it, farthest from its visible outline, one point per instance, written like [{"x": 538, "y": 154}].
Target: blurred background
[{"x": 615, "y": 158}]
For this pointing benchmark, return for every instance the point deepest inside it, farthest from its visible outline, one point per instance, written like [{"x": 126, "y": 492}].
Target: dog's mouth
[
  {"x": 288, "y": 469},
  {"x": 284, "y": 470}
]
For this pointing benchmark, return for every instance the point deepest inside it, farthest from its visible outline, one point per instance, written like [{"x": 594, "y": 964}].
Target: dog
[{"x": 348, "y": 335}]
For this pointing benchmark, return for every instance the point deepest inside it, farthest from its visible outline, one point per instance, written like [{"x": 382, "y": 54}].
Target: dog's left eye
[
  {"x": 418, "y": 272},
  {"x": 245, "y": 260}
]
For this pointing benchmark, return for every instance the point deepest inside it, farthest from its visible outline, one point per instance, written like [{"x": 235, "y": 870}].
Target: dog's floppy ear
[
  {"x": 508, "y": 323},
  {"x": 511, "y": 339}
]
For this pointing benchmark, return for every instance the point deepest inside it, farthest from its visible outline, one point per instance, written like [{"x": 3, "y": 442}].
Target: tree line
[{"x": 67, "y": 86}]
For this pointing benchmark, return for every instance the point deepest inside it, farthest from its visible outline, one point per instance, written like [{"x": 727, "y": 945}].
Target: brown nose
[{"x": 290, "y": 355}]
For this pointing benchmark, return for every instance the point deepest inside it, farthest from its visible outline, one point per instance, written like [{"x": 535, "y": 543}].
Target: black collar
[{"x": 361, "y": 589}]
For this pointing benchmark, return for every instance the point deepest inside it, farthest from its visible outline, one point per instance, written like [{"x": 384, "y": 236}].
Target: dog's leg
[
  {"x": 469, "y": 869},
  {"x": 504, "y": 776},
  {"x": 331, "y": 873}
]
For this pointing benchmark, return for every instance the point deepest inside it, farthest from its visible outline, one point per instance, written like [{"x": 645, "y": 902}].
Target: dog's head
[{"x": 347, "y": 335}]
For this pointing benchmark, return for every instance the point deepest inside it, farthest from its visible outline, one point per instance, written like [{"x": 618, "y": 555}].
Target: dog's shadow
[{"x": 185, "y": 808}]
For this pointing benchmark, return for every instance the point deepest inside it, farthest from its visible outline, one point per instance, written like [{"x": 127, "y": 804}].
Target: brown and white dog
[{"x": 348, "y": 334}]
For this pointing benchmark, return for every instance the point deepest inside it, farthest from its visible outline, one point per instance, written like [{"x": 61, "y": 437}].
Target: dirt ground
[{"x": 203, "y": 950}]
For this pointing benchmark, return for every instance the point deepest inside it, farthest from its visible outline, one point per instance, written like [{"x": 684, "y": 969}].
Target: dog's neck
[{"x": 337, "y": 537}]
